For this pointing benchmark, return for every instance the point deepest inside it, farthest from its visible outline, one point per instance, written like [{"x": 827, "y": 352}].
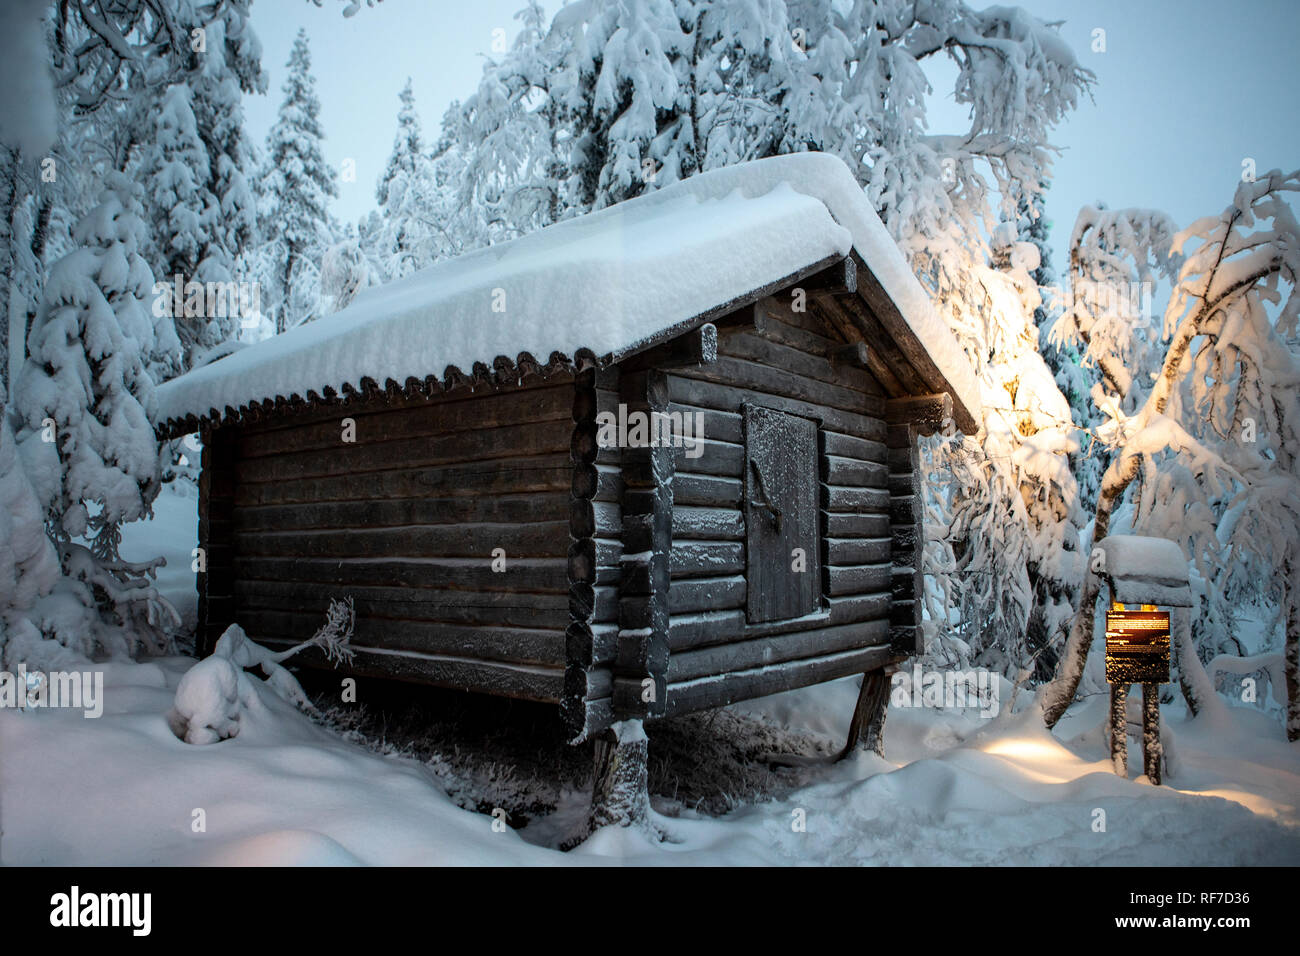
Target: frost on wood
[
  {"x": 215, "y": 692},
  {"x": 620, "y": 788}
]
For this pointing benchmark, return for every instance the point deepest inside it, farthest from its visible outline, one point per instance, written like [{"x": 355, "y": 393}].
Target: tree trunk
[
  {"x": 1291, "y": 655},
  {"x": 1059, "y": 694}
]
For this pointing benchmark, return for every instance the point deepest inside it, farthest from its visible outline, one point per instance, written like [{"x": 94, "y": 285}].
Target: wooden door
[{"x": 783, "y": 550}]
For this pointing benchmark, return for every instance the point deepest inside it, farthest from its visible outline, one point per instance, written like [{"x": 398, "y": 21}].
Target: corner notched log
[{"x": 927, "y": 414}]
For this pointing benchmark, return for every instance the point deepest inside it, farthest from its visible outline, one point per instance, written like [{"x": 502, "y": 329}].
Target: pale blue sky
[{"x": 1186, "y": 90}]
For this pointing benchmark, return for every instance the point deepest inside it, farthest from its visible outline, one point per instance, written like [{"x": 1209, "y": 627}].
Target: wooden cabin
[{"x": 447, "y": 451}]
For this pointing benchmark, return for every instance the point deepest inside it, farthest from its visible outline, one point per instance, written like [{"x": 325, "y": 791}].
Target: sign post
[{"x": 1137, "y": 652}]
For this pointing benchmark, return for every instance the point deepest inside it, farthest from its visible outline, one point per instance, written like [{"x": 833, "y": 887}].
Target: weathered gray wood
[
  {"x": 648, "y": 514},
  {"x": 689, "y": 350},
  {"x": 747, "y": 654},
  {"x": 409, "y": 418},
  {"x": 849, "y": 446},
  {"x": 713, "y": 394},
  {"x": 711, "y": 491},
  {"x": 769, "y": 320},
  {"x": 504, "y": 476},
  {"x": 928, "y": 414},
  {"x": 855, "y": 500},
  {"x": 782, "y": 517},
  {"x": 906, "y": 552},
  {"x": 365, "y": 457},
  {"x": 487, "y": 608},
  {"x": 856, "y": 525},
  {"x": 518, "y": 645},
  {"x": 707, "y": 558},
  {"x": 398, "y": 512},
  {"x": 700, "y": 594},
  {"x": 217, "y": 608},
  {"x": 582, "y": 570},
  {"x": 447, "y": 540},
  {"x": 869, "y": 715},
  {"x": 742, "y": 685},
  {"x": 525, "y": 682},
  {"x": 861, "y": 579},
  {"x": 525, "y": 574},
  {"x": 775, "y": 354},
  {"x": 716, "y": 524},
  {"x": 853, "y": 551},
  {"x": 779, "y": 382},
  {"x": 854, "y": 473}
]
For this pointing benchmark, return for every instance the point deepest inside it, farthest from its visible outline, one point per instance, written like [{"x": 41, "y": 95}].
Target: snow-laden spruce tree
[
  {"x": 1187, "y": 440},
  {"x": 297, "y": 185},
  {"x": 416, "y": 210},
  {"x": 85, "y": 401},
  {"x": 175, "y": 171}
]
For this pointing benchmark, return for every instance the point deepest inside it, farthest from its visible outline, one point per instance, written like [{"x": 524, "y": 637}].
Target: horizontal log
[
  {"x": 506, "y": 476},
  {"x": 856, "y": 525},
  {"x": 776, "y": 381},
  {"x": 746, "y": 655},
  {"x": 711, "y": 458},
  {"x": 927, "y": 414},
  {"x": 523, "y": 574},
  {"x": 769, "y": 321},
  {"x": 485, "y": 608},
  {"x": 817, "y": 368},
  {"x": 718, "y": 691},
  {"x": 397, "y": 512},
  {"x": 713, "y": 491},
  {"x": 700, "y": 594},
  {"x": 516, "y": 645},
  {"x": 853, "y": 551},
  {"x": 410, "y": 419},
  {"x": 716, "y": 524},
  {"x": 854, "y": 473},
  {"x": 364, "y": 457},
  {"x": 725, "y": 397},
  {"x": 716, "y": 425},
  {"x": 855, "y": 500},
  {"x": 520, "y": 681},
  {"x": 706, "y": 558},
  {"x": 862, "y": 579},
  {"x": 549, "y": 539},
  {"x": 849, "y": 446}
]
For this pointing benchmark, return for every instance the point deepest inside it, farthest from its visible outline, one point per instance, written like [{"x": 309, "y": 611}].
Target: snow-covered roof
[{"x": 611, "y": 282}]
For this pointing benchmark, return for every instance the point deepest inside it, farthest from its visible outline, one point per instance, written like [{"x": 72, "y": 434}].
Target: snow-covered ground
[{"x": 956, "y": 789}]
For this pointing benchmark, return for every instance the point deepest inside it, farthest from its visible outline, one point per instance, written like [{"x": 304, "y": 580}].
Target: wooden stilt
[
  {"x": 869, "y": 714},
  {"x": 1152, "y": 751},
  {"x": 620, "y": 791},
  {"x": 1119, "y": 728}
]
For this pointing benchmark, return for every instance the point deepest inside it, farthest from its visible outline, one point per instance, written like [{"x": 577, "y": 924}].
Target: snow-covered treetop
[{"x": 610, "y": 282}]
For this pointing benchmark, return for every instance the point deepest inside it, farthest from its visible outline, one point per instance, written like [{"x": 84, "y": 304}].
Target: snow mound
[{"x": 610, "y": 282}]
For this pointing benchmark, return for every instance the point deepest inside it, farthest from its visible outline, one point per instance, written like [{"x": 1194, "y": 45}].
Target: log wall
[
  {"x": 405, "y": 519},
  {"x": 794, "y": 362}
]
